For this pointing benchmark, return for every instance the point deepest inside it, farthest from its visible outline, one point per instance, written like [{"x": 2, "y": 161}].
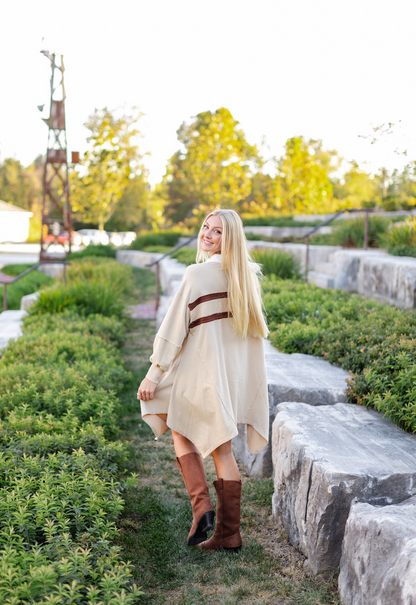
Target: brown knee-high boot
[
  {"x": 227, "y": 528},
  {"x": 193, "y": 475}
]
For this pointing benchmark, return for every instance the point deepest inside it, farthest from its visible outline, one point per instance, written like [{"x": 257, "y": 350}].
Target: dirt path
[{"x": 157, "y": 517}]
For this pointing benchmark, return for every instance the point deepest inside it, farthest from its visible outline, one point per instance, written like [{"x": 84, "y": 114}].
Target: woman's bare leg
[
  {"x": 225, "y": 463},
  {"x": 182, "y": 445}
]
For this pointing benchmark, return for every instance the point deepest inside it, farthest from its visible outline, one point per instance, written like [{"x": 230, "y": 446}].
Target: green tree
[
  {"x": 213, "y": 169},
  {"x": 356, "y": 188},
  {"x": 19, "y": 185},
  {"x": 303, "y": 180},
  {"x": 109, "y": 165}
]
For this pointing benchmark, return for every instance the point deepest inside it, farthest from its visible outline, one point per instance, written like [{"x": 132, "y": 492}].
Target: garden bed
[
  {"x": 60, "y": 389},
  {"x": 376, "y": 343}
]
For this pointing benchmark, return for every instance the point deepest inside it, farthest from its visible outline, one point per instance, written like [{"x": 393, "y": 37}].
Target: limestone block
[
  {"x": 54, "y": 270},
  {"x": 295, "y": 377},
  {"x": 389, "y": 278},
  {"x": 137, "y": 258},
  {"x": 378, "y": 563},
  {"x": 27, "y": 301},
  {"x": 324, "y": 459},
  {"x": 170, "y": 275}
]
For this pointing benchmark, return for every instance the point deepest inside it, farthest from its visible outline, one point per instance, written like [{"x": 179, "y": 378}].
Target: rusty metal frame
[{"x": 56, "y": 207}]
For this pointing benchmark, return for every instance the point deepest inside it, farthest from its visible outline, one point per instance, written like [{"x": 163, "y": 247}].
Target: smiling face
[{"x": 211, "y": 235}]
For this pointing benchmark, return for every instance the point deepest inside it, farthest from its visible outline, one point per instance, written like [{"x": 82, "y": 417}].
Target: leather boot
[
  {"x": 227, "y": 528},
  {"x": 193, "y": 475}
]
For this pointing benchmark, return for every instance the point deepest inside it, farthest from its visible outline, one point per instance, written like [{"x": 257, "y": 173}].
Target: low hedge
[
  {"x": 59, "y": 404},
  {"x": 375, "y": 342}
]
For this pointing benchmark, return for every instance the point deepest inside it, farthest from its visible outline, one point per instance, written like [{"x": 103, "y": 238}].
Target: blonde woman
[{"x": 208, "y": 375}]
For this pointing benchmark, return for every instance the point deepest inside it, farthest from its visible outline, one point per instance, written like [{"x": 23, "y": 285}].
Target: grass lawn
[{"x": 157, "y": 517}]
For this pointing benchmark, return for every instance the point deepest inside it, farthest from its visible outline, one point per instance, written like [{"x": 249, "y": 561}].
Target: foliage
[
  {"x": 349, "y": 233},
  {"x": 107, "y": 251},
  {"x": 401, "y": 239},
  {"x": 27, "y": 285},
  {"x": 275, "y": 220},
  {"x": 167, "y": 237},
  {"x": 19, "y": 185},
  {"x": 95, "y": 285},
  {"x": 111, "y": 162},
  {"x": 213, "y": 169},
  {"x": 356, "y": 188},
  {"x": 304, "y": 176},
  {"x": 280, "y": 263},
  {"x": 82, "y": 296},
  {"x": 375, "y": 342},
  {"x": 59, "y": 387},
  {"x": 186, "y": 256},
  {"x": 134, "y": 209}
]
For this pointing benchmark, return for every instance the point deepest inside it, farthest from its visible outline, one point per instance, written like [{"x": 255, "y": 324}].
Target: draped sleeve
[{"x": 170, "y": 337}]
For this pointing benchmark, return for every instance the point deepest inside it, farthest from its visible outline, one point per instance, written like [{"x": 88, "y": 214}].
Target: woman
[{"x": 208, "y": 375}]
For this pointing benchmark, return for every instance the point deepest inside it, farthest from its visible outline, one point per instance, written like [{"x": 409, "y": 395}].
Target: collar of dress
[{"x": 215, "y": 258}]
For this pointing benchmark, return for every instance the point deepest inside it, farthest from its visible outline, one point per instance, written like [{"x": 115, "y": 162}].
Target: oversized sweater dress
[{"x": 209, "y": 379}]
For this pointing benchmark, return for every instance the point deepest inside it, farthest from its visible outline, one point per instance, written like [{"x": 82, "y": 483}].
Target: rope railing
[{"x": 8, "y": 279}]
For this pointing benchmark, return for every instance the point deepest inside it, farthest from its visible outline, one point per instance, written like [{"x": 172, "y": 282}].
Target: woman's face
[{"x": 211, "y": 234}]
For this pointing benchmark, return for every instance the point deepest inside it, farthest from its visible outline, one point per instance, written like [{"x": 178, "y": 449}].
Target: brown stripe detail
[
  {"x": 208, "y": 318},
  {"x": 207, "y": 298}
]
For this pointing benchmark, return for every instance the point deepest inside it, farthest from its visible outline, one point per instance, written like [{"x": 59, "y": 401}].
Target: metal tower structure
[{"x": 56, "y": 208}]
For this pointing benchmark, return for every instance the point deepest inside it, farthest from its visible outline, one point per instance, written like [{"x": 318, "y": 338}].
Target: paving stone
[
  {"x": 10, "y": 326},
  {"x": 295, "y": 377},
  {"x": 378, "y": 563},
  {"x": 324, "y": 459}
]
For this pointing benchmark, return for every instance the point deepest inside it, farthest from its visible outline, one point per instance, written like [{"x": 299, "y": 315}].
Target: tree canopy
[
  {"x": 108, "y": 166},
  {"x": 213, "y": 168}
]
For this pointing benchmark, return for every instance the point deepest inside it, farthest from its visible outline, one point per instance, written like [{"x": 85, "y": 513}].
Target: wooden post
[{"x": 366, "y": 231}]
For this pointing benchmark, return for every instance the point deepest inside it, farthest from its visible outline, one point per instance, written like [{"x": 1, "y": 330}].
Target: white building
[{"x": 14, "y": 223}]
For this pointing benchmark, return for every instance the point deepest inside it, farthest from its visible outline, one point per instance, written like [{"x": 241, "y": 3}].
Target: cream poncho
[{"x": 209, "y": 379}]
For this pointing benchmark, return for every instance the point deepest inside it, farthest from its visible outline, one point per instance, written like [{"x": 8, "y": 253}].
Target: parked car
[
  {"x": 95, "y": 236},
  {"x": 128, "y": 237},
  {"x": 76, "y": 238},
  {"x": 121, "y": 238}
]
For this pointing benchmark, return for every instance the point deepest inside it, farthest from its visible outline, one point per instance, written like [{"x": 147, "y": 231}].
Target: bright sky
[{"x": 328, "y": 69}]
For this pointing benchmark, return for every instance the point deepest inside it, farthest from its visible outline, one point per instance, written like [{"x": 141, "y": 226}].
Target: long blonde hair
[{"x": 244, "y": 293}]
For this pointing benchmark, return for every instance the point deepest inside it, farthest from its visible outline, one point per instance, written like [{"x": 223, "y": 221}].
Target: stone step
[
  {"x": 322, "y": 280},
  {"x": 378, "y": 563},
  {"x": 295, "y": 377},
  {"x": 327, "y": 268},
  {"x": 324, "y": 459},
  {"x": 10, "y": 326}
]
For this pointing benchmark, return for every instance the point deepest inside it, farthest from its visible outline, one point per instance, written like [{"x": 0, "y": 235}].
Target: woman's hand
[{"x": 146, "y": 390}]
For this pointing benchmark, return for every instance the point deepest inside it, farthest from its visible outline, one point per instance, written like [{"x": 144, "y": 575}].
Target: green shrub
[
  {"x": 349, "y": 233},
  {"x": 57, "y": 520},
  {"x": 277, "y": 262},
  {"x": 110, "y": 329},
  {"x": 27, "y": 285},
  {"x": 84, "y": 297},
  {"x": 272, "y": 220},
  {"x": 375, "y": 342},
  {"x": 95, "y": 250},
  {"x": 400, "y": 240},
  {"x": 157, "y": 238},
  {"x": 187, "y": 256},
  {"x": 59, "y": 387},
  {"x": 402, "y": 251}
]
